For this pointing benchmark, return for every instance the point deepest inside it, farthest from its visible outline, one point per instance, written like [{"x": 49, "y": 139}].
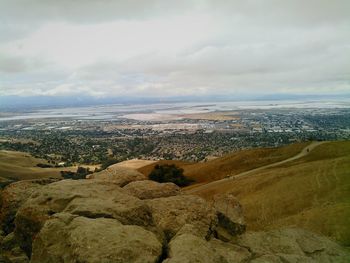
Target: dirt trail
[{"x": 217, "y": 183}]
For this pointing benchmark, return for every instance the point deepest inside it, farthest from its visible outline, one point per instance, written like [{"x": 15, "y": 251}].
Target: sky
[{"x": 159, "y": 48}]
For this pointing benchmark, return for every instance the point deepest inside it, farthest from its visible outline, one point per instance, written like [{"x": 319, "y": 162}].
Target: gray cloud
[
  {"x": 167, "y": 48},
  {"x": 86, "y": 11}
]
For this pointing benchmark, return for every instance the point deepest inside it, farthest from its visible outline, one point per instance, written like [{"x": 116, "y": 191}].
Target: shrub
[
  {"x": 44, "y": 165},
  {"x": 81, "y": 173},
  {"x": 108, "y": 162},
  {"x": 169, "y": 173}
]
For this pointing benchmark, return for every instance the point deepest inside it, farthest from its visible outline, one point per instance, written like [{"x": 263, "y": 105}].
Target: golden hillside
[
  {"x": 22, "y": 166},
  {"x": 311, "y": 192},
  {"x": 233, "y": 163}
]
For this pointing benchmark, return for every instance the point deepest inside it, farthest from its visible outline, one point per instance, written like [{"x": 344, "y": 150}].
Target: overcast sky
[{"x": 154, "y": 48}]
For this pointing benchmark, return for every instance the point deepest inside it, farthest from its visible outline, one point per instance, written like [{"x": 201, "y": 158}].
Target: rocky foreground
[{"x": 119, "y": 216}]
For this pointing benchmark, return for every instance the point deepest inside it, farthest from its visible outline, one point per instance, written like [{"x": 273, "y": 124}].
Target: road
[{"x": 217, "y": 183}]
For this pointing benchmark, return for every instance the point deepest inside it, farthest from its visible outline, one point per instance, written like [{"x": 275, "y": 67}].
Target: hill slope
[
  {"x": 312, "y": 192},
  {"x": 233, "y": 163},
  {"x": 22, "y": 166}
]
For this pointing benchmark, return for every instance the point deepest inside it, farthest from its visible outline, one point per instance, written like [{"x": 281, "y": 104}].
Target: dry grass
[
  {"x": 312, "y": 192},
  {"x": 22, "y": 166},
  {"x": 135, "y": 163},
  {"x": 231, "y": 164},
  {"x": 239, "y": 162}
]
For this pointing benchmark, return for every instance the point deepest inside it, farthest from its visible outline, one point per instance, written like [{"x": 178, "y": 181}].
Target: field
[
  {"x": 312, "y": 192},
  {"x": 22, "y": 166}
]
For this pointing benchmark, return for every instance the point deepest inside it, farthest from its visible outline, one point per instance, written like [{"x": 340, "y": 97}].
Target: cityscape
[{"x": 173, "y": 132}]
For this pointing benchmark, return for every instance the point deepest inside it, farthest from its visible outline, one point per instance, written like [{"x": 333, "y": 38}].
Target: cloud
[
  {"x": 171, "y": 48},
  {"x": 87, "y": 11}
]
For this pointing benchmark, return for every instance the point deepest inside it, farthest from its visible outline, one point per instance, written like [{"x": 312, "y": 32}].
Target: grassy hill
[
  {"x": 312, "y": 192},
  {"x": 21, "y": 166},
  {"x": 234, "y": 163}
]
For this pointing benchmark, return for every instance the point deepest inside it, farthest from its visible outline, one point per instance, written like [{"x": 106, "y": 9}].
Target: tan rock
[
  {"x": 79, "y": 239},
  {"x": 119, "y": 175},
  {"x": 293, "y": 245},
  {"x": 172, "y": 213},
  {"x": 89, "y": 198},
  {"x": 13, "y": 196},
  {"x": 191, "y": 248},
  {"x": 228, "y": 252},
  {"x": 188, "y": 248},
  {"x": 148, "y": 189},
  {"x": 230, "y": 214}
]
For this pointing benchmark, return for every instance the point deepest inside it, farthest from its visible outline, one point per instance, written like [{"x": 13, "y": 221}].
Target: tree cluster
[{"x": 169, "y": 173}]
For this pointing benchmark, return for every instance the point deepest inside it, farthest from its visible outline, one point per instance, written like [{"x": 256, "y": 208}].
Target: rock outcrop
[
  {"x": 292, "y": 245},
  {"x": 188, "y": 248},
  {"x": 67, "y": 238},
  {"x": 96, "y": 220},
  {"x": 150, "y": 189},
  {"x": 172, "y": 213},
  {"x": 89, "y": 198},
  {"x": 118, "y": 175},
  {"x": 230, "y": 216},
  {"x": 13, "y": 196}
]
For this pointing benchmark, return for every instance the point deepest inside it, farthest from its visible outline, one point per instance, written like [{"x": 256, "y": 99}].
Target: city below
[{"x": 176, "y": 131}]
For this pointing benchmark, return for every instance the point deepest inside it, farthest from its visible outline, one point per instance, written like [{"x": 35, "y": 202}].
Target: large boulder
[
  {"x": 174, "y": 212},
  {"x": 13, "y": 196},
  {"x": 188, "y": 248},
  {"x": 229, "y": 252},
  {"x": 89, "y": 198},
  {"x": 66, "y": 238},
  {"x": 230, "y": 214},
  {"x": 148, "y": 189},
  {"x": 118, "y": 175},
  {"x": 292, "y": 245}
]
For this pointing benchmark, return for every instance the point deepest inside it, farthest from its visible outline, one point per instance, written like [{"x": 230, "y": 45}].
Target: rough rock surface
[
  {"x": 230, "y": 214},
  {"x": 10, "y": 252},
  {"x": 89, "y": 198},
  {"x": 119, "y": 175},
  {"x": 292, "y": 245},
  {"x": 188, "y": 248},
  {"x": 67, "y": 238},
  {"x": 172, "y": 213},
  {"x": 150, "y": 189},
  {"x": 98, "y": 221},
  {"x": 13, "y": 196},
  {"x": 4, "y": 182}
]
